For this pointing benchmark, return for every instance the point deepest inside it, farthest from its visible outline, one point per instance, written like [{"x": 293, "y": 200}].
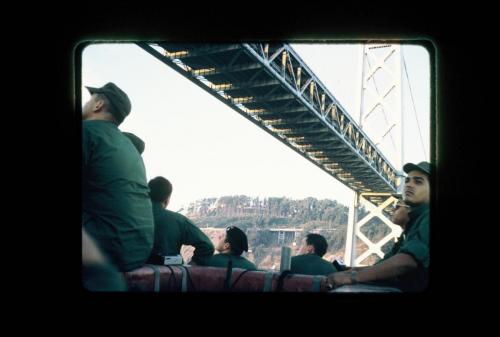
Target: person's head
[
  {"x": 417, "y": 185},
  {"x": 401, "y": 215},
  {"x": 160, "y": 190},
  {"x": 314, "y": 244},
  {"x": 138, "y": 143},
  {"x": 232, "y": 241},
  {"x": 107, "y": 103}
]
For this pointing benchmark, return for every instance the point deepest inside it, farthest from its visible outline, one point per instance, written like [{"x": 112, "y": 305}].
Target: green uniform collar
[{"x": 415, "y": 213}]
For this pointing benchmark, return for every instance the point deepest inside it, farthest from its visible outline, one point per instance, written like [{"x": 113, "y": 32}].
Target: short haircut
[
  {"x": 237, "y": 239},
  {"x": 160, "y": 189},
  {"x": 109, "y": 107},
  {"x": 318, "y": 242}
]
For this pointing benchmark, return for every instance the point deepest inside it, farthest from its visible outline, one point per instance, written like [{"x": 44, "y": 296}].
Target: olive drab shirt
[
  {"x": 102, "y": 277},
  {"x": 116, "y": 207},
  {"x": 221, "y": 260},
  {"x": 415, "y": 242},
  {"x": 311, "y": 264},
  {"x": 172, "y": 230}
]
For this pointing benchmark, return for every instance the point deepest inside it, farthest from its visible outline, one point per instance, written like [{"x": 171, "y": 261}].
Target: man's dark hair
[
  {"x": 318, "y": 242},
  {"x": 237, "y": 239},
  {"x": 160, "y": 189}
]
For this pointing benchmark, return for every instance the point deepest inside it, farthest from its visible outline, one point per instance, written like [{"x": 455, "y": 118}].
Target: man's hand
[
  {"x": 340, "y": 278},
  {"x": 394, "y": 266}
]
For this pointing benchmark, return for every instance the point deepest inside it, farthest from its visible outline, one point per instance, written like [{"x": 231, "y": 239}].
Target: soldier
[
  {"x": 311, "y": 261},
  {"x": 232, "y": 242},
  {"x": 116, "y": 207},
  {"x": 172, "y": 230}
]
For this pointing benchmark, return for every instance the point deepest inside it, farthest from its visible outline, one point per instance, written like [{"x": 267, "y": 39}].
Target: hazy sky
[{"x": 206, "y": 149}]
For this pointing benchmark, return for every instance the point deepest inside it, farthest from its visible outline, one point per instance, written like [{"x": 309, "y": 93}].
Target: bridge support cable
[{"x": 414, "y": 109}]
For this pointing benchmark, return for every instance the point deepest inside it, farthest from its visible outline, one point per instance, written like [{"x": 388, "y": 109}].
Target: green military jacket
[
  {"x": 116, "y": 207},
  {"x": 414, "y": 241},
  {"x": 221, "y": 260},
  {"x": 311, "y": 264},
  {"x": 172, "y": 230}
]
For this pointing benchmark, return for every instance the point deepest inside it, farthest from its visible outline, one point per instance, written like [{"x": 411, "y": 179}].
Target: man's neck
[
  {"x": 417, "y": 207},
  {"x": 101, "y": 117}
]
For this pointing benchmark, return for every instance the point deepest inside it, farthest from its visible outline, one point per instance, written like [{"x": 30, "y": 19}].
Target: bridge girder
[{"x": 272, "y": 87}]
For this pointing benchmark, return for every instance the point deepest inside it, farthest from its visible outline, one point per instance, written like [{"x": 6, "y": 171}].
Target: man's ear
[
  {"x": 98, "y": 105},
  {"x": 310, "y": 249}
]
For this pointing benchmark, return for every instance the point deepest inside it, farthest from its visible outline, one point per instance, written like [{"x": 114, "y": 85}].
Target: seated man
[
  {"x": 400, "y": 217},
  {"x": 232, "y": 242},
  {"x": 406, "y": 265},
  {"x": 172, "y": 230},
  {"x": 310, "y": 262},
  {"x": 116, "y": 208}
]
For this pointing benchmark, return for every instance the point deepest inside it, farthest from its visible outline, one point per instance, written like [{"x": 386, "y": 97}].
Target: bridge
[
  {"x": 279, "y": 235},
  {"x": 271, "y": 86}
]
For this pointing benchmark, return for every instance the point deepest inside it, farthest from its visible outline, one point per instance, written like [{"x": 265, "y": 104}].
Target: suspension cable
[{"x": 413, "y": 103}]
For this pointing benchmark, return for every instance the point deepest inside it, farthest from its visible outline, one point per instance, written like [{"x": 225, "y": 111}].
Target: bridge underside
[{"x": 272, "y": 87}]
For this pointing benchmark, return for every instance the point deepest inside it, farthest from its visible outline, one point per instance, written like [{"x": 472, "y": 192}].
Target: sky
[{"x": 206, "y": 149}]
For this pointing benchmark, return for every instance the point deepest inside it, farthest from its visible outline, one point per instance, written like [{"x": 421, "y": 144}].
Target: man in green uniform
[
  {"x": 116, "y": 208},
  {"x": 172, "y": 230},
  {"x": 311, "y": 261},
  {"x": 406, "y": 265},
  {"x": 232, "y": 242}
]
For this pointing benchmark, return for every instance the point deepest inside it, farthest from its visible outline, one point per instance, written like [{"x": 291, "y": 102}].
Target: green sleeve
[
  {"x": 193, "y": 236},
  {"x": 417, "y": 241}
]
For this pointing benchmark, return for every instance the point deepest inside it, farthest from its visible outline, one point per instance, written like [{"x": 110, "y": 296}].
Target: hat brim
[
  {"x": 412, "y": 167},
  {"x": 92, "y": 90}
]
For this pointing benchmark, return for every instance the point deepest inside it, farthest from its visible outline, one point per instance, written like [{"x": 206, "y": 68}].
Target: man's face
[
  {"x": 401, "y": 214},
  {"x": 417, "y": 189},
  {"x": 92, "y": 105},
  {"x": 305, "y": 248},
  {"x": 221, "y": 244}
]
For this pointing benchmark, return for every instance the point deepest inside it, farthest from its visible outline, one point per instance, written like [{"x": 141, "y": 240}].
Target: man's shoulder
[
  {"x": 298, "y": 257},
  {"x": 423, "y": 215},
  {"x": 165, "y": 215},
  {"x": 101, "y": 130},
  {"x": 247, "y": 263},
  {"x": 304, "y": 257},
  {"x": 217, "y": 258}
]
